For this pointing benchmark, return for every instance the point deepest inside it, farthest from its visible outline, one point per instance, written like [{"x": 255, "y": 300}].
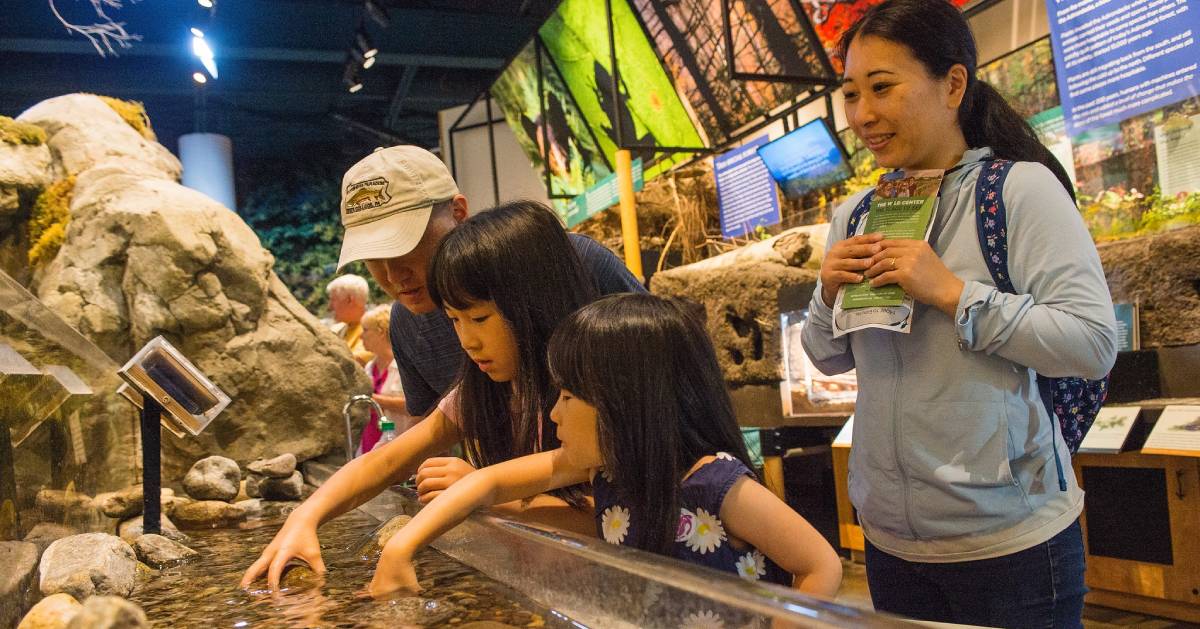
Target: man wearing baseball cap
[{"x": 397, "y": 205}]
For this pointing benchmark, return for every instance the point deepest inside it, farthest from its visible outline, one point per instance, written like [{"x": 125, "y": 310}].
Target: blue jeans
[{"x": 1038, "y": 587}]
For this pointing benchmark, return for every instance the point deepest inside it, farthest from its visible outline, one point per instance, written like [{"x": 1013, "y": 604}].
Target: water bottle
[{"x": 389, "y": 433}]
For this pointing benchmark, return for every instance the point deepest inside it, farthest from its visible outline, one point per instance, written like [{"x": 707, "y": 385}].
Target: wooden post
[{"x": 629, "y": 227}]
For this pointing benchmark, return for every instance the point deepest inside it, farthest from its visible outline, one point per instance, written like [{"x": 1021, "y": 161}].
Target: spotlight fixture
[
  {"x": 364, "y": 61},
  {"x": 363, "y": 45},
  {"x": 350, "y": 77},
  {"x": 378, "y": 13},
  {"x": 199, "y": 78},
  {"x": 204, "y": 52},
  {"x": 208, "y": 4}
]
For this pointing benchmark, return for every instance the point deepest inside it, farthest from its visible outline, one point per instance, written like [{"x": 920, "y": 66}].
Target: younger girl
[{"x": 643, "y": 414}]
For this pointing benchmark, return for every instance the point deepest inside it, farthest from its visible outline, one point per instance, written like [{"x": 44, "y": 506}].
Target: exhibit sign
[
  {"x": 1115, "y": 60},
  {"x": 599, "y": 197},
  {"x": 1111, "y": 429},
  {"x": 806, "y": 159},
  {"x": 746, "y": 195},
  {"x": 1177, "y": 432},
  {"x": 1177, "y": 149}
]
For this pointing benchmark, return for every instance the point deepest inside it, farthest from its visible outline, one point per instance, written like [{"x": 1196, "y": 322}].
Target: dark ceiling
[{"x": 280, "y": 91}]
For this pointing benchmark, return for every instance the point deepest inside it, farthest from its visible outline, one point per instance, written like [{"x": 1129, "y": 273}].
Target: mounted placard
[{"x": 190, "y": 399}]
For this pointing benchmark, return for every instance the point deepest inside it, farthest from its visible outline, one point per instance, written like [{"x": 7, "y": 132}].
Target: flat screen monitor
[{"x": 806, "y": 159}]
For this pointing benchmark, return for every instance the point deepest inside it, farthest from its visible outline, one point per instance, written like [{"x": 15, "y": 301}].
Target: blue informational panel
[
  {"x": 745, "y": 190},
  {"x": 1119, "y": 59}
]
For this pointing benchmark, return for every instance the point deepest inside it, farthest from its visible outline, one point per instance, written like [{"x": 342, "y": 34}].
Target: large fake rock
[
  {"x": 209, "y": 514},
  {"x": 281, "y": 466},
  {"x": 740, "y": 292},
  {"x": 45, "y": 533},
  {"x": 1162, "y": 273},
  {"x": 19, "y": 561},
  {"x": 61, "y": 504},
  {"x": 282, "y": 488},
  {"x": 52, "y": 612},
  {"x": 83, "y": 130},
  {"x": 125, "y": 503},
  {"x": 91, "y": 563},
  {"x": 24, "y": 166},
  {"x": 160, "y": 552},
  {"x": 213, "y": 478},
  {"x": 144, "y": 256},
  {"x": 109, "y": 612}
]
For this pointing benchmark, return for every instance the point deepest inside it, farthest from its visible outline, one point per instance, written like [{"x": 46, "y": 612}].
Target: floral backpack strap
[
  {"x": 1074, "y": 401},
  {"x": 859, "y": 212}
]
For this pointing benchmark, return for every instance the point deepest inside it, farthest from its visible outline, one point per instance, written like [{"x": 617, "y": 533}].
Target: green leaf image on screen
[
  {"x": 553, "y": 126},
  {"x": 651, "y": 113}
]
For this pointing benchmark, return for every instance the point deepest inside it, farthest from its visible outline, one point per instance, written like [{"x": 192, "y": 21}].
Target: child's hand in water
[
  {"x": 394, "y": 574},
  {"x": 437, "y": 474}
]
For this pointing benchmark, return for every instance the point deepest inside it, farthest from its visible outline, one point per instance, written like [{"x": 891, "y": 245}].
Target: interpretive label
[
  {"x": 1116, "y": 59},
  {"x": 746, "y": 196},
  {"x": 1177, "y": 432},
  {"x": 599, "y": 197}
]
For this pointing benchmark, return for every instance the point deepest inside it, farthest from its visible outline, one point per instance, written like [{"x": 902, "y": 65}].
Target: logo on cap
[{"x": 366, "y": 195}]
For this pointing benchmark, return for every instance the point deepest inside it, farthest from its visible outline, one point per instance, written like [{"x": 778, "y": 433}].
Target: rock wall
[
  {"x": 740, "y": 294},
  {"x": 145, "y": 256},
  {"x": 1162, "y": 273}
]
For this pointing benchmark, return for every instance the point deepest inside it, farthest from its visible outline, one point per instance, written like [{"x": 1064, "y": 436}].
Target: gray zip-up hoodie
[{"x": 952, "y": 456}]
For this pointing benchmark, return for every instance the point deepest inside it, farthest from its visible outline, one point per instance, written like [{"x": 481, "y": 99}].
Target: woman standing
[
  {"x": 953, "y": 467},
  {"x": 385, "y": 378}
]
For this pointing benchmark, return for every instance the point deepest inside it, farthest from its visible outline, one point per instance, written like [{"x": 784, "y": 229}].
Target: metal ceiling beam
[
  {"x": 402, "y": 89},
  {"x": 287, "y": 55}
]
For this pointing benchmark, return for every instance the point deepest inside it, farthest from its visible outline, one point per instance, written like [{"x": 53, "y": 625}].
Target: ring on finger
[{"x": 893, "y": 261}]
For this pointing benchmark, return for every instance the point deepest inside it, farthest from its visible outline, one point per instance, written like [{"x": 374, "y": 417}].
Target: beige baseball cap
[{"x": 386, "y": 201}]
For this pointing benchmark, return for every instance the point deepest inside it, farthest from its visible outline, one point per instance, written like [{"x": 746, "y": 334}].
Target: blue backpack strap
[
  {"x": 859, "y": 212},
  {"x": 991, "y": 225}
]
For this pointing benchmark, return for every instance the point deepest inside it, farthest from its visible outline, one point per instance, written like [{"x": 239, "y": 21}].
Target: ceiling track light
[
  {"x": 350, "y": 77},
  {"x": 362, "y": 43},
  {"x": 378, "y": 13}
]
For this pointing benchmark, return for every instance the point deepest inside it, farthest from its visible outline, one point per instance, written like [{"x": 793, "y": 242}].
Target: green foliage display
[
  {"x": 297, "y": 220},
  {"x": 1115, "y": 213},
  {"x": 18, "y": 133}
]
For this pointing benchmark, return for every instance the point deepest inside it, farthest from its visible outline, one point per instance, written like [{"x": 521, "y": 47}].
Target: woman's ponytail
[{"x": 988, "y": 120}]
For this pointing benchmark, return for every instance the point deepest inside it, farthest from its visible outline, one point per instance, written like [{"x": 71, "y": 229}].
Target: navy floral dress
[{"x": 701, "y": 537}]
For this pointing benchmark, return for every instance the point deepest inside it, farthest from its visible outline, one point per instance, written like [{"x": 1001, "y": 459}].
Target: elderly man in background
[{"x": 348, "y": 303}]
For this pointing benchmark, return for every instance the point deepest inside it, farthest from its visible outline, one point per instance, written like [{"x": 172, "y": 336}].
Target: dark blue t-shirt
[{"x": 426, "y": 348}]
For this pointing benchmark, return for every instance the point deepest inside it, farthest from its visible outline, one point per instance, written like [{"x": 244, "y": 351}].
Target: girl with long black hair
[
  {"x": 955, "y": 468},
  {"x": 642, "y": 413}
]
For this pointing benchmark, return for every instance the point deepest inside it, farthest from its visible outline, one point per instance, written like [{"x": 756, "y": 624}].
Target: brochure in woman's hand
[{"x": 902, "y": 208}]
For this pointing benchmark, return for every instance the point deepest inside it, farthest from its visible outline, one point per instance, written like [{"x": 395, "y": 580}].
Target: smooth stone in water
[
  {"x": 281, "y": 466},
  {"x": 132, "y": 528},
  {"x": 253, "y": 508},
  {"x": 60, "y": 504},
  {"x": 486, "y": 624},
  {"x": 389, "y": 529},
  {"x": 252, "y": 485},
  {"x": 91, "y": 563},
  {"x": 282, "y": 488},
  {"x": 300, "y": 576},
  {"x": 53, "y": 612},
  {"x": 208, "y": 514},
  {"x": 213, "y": 478},
  {"x": 20, "y": 560},
  {"x": 160, "y": 552},
  {"x": 421, "y": 611},
  {"x": 109, "y": 612},
  {"x": 121, "y": 504}
]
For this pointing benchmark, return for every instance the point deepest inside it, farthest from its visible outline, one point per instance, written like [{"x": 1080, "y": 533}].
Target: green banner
[{"x": 599, "y": 197}]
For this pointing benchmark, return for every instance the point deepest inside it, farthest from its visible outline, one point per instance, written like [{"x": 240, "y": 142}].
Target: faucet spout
[{"x": 355, "y": 401}]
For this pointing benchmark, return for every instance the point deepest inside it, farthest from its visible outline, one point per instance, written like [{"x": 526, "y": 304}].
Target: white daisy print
[
  {"x": 687, "y": 523},
  {"x": 608, "y": 477},
  {"x": 703, "y": 620},
  {"x": 752, "y": 566},
  {"x": 707, "y": 533},
  {"x": 727, "y": 456},
  {"x": 615, "y": 524}
]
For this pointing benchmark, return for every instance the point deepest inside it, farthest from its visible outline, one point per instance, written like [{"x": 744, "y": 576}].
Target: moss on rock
[
  {"x": 48, "y": 221},
  {"x": 16, "y": 132},
  {"x": 132, "y": 112}
]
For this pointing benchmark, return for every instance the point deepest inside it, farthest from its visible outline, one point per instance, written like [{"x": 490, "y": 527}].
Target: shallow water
[{"x": 205, "y": 592}]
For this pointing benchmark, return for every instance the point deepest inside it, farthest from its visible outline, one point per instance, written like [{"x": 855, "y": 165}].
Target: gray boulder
[
  {"x": 125, "y": 503},
  {"x": 157, "y": 551},
  {"x": 282, "y": 488},
  {"x": 20, "y": 560},
  {"x": 213, "y": 478},
  {"x": 253, "y": 482},
  {"x": 91, "y": 563},
  {"x": 53, "y": 612},
  {"x": 109, "y": 612},
  {"x": 209, "y": 514},
  {"x": 60, "y": 504},
  {"x": 132, "y": 528},
  {"x": 281, "y": 466}
]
